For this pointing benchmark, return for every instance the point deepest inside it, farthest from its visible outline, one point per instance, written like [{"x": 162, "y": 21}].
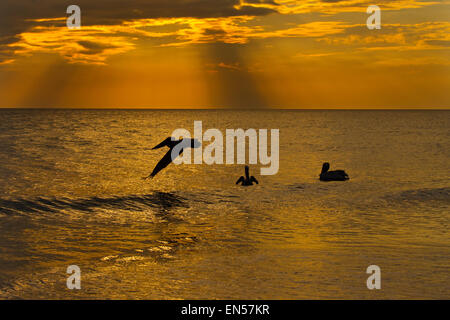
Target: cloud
[
  {"x": 22, "y": 20},
  {"x": 426, "y": 35},
  {"x": 114, "y": 27},
  {"x": 94, "y": 44},
  {"x": 339, "y": 6}
]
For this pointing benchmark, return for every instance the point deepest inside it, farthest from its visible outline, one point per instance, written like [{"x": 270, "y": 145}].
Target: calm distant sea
[{"x": 71, "y": 193}]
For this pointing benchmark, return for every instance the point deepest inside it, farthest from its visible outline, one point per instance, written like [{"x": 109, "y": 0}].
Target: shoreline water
[{"x": 72, "y": 194}]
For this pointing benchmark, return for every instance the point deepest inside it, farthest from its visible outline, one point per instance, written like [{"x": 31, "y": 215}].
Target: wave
[
  {"x": 159, "y": 200},
  {"x": 422, "y": 195}
]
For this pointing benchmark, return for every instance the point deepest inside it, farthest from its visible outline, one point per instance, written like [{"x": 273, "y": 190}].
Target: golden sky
[{"x": 225, "y": 53}]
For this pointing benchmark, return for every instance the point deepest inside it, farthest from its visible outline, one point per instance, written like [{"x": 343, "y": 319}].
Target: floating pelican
[
  {"x": 247, "y": 180},
  {"x": 171, "y": 144},
  {"x": 338, "y": 175}
]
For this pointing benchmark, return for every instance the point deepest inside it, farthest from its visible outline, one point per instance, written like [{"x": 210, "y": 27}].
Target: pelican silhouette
[
  {"x": 171, "y": 144},
  {"x": 247, "y": 180},
  {"x": 338, "y": 175}
]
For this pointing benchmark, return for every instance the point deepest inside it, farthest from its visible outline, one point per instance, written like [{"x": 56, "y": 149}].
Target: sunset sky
[{"x": 225, "y": 53}]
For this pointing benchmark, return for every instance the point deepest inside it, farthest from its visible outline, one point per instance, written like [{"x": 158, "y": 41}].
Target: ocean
[{"x": 71, "y": 193}]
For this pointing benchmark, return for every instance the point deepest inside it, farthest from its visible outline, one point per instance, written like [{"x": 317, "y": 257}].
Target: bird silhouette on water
[
  {"x": 247, "y": 180},
  {"x": 169, "y": 142},
  {"x": 338, "y": 175}
]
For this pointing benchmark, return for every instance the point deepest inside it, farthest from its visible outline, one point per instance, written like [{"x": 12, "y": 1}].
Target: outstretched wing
[
  {"x": 241, "y": 179},
  {"x": 166, "y": 143},
  {"x": 253, "y": 179},
  {"x": 164, "y": 162}
]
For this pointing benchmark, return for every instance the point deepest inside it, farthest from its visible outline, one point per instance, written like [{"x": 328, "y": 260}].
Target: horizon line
[{"x": 235, "y": 109}]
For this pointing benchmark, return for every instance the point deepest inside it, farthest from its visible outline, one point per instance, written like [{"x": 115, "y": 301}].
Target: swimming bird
[
  {"x": 168, "y": 157},
  {"x": 247, "y": 181},
  {"x": 338, "y": 175}
]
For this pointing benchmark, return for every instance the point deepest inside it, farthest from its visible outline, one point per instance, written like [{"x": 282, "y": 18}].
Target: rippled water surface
[{"x": 71, "y": 193}]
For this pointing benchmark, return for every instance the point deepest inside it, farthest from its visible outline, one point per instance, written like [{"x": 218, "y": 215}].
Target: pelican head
[{"x": 325, "y": 167}]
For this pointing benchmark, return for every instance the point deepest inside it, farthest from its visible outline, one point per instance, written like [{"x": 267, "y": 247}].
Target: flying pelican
[
  {"x": 171, "y": 144},
  {"x": 338, "y": 175},
  {"x": 247, "y": 181}
]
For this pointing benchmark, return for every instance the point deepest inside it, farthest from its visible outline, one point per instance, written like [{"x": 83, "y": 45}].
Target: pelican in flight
[
  {"x": 168, "y": 157},
  {"x": 247, "y": 180},
  {"x": 338, "y": 175}
]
